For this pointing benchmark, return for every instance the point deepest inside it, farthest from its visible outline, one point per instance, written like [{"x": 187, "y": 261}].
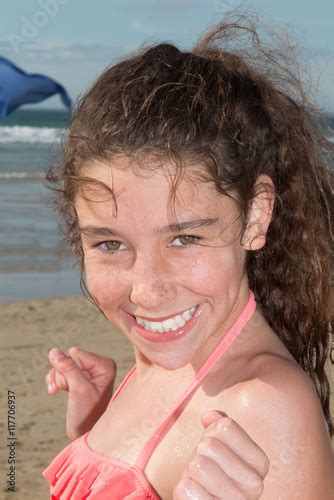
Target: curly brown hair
[{"x": 237, "y": 108}]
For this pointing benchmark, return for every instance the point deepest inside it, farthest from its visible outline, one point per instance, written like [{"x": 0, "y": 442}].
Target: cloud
[{"x": 59, "y": 52}]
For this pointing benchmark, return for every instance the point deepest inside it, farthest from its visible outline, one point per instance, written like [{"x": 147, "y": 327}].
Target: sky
[{"x": 74, "y": 40}]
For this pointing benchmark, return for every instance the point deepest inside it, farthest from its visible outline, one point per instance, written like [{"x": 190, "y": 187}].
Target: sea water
[{"x": 35, "y": 260}]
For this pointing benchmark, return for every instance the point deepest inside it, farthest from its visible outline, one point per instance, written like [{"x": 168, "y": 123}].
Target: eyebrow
[{"x": 91, "y": 231}]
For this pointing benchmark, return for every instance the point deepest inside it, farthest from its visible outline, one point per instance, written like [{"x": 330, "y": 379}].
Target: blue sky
[{"x": 74, "y": 40}]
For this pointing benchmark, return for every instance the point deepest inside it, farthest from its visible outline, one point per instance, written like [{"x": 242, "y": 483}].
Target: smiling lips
[
  {"x": 156, "y": 332},
  {"x": 171, "y": 323}
]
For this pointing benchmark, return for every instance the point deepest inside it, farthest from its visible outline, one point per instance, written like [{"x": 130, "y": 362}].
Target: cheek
[
  {"x": 105, "y": 283},
  {"x": 218, "y": 273}
]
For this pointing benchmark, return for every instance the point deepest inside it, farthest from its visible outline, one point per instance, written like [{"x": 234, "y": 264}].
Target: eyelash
[{"x": 197, "y": 238}]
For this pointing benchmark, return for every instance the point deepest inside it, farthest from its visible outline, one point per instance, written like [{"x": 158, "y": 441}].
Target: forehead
[{"x": 146, "y": 192}]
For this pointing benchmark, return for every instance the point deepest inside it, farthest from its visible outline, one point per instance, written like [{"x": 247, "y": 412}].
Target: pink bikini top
[{"x": 78, "y": 472}]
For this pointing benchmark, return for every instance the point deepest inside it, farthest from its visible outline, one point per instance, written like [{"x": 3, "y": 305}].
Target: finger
[
  {"x": 101, "y": 368},
  {"x": 65, "y": 365},
  {"x": 188, "y": 488},
  {"x": 50, "y": 382},
  {"x": 222, "y": 461},
  {"x": 55, "y": 381},
  {"x": 77, "y": 355},
  {"x": 236, "y": 438},
  {"x": 212, "y": 478},
  {"x": 61, "y": 381},
  {"x": 211, "y": 416},
  {"x": 89, "y": 361}
]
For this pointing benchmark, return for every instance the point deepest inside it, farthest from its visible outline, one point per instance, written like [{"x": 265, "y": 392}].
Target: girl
[{"x": 196, "y": 191}]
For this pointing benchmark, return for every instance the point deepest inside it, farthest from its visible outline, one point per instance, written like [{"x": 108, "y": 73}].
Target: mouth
[
  {"x": 169, "y": 323},
  {"x": 167, "y": 330}
]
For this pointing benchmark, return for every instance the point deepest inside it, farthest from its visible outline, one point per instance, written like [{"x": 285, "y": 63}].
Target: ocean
[{"x": 35, "y": 261}]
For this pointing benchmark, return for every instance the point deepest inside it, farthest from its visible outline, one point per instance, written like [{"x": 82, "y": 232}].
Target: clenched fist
[{"x": 226, "y": 465}]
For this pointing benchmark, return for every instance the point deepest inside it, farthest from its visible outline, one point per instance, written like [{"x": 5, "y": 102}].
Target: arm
[{"x": 226, "y": 464}]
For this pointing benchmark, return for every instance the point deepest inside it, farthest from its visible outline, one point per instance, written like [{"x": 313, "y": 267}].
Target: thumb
[
  {"x": 211, "y": 416},
  {"x": 67, "y": 367}
]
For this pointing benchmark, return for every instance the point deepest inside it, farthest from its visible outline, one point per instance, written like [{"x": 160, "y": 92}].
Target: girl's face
[{"x": 136, "y": 264}]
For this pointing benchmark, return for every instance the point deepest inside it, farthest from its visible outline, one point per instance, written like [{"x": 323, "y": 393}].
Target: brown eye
[
  {"x": 187, "y": 240},
  {"x": 112, "y": 245}
]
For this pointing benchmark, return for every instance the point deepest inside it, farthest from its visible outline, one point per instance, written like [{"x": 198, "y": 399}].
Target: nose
[{"x": 152, "y": 284}]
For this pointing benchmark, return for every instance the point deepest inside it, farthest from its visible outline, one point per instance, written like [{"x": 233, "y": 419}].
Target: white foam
[
  {"x": 22, "y": 175},
  {"x": 19, "y": 133}
]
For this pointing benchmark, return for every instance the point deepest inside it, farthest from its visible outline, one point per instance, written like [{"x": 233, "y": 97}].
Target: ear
[{"x": 259, "y": 214}]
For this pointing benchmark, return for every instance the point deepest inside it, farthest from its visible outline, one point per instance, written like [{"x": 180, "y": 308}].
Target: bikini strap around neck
[{"x": 215, "y": 355}]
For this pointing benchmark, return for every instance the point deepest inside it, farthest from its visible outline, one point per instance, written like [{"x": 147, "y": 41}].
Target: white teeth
[
  {"x": 186, "y": 315},
  {"x": 181, "y": 321},
  {"x": 169, "y": 324}
]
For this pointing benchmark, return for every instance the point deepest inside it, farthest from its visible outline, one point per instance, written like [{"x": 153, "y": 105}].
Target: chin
[{"x": 171, "y": 364}]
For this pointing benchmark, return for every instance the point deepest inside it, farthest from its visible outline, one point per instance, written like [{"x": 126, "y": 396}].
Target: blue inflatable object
[{"x": 18, "y": 87}]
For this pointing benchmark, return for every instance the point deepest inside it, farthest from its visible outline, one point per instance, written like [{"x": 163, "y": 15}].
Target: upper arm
[{"x": 281, "y": 412}]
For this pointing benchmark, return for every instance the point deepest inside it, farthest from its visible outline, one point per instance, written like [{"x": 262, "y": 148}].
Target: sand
[{"x": 28, "y": 330}]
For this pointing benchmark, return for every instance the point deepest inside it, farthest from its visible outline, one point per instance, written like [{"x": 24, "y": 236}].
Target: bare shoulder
[{"x": 280, "y": 410}]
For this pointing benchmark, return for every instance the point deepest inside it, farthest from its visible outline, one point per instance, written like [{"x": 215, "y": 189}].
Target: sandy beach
[{"x": 28, "y": 330}]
